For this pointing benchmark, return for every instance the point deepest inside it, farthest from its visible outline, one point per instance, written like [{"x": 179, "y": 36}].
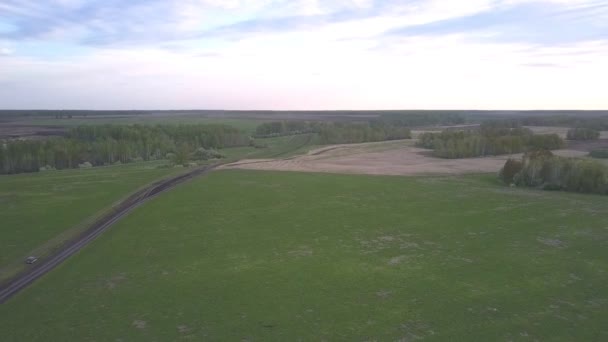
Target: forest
[
  {"x": 492, "y": 138},
  {"x": 544, "y": 170},
  {"x": 336, "y": 132},
  {"x": 109, "y": 144}
]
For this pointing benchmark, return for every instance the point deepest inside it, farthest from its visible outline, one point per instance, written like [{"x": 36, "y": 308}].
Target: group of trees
[
  {"x": 490, "y": 139},
  {"x": 571, "y": 120},
  {"x": 102, "y": 145},
  {"x": 358, "y": 132},
  {"x": 544, "y": 170},
  {"x": 280, "y": 128},
  {"x": 422, "y": 119},
  {"x": 582, "y": 133},
  {"x": 336, "y": 132}
]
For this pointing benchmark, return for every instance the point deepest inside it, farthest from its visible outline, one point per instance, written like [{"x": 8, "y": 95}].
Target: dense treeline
[
  {"x": 422, "y": 119},
  {"x": 597, "y": 122},
  {"x": 594, "y": 122},
  {"x": 102, "y": 145},
  {"x": 544, "y": 170},
  {"x": 582, "y": 133},
  {"x": 346, "y": 133},
  {"x": 490, "y": 139},
  {"x": 390, "y": 122},
  {"x": 336, "y": 132},
  {"x": 280, "y": 128}
]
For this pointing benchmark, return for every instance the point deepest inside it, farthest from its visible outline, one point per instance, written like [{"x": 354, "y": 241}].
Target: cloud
[
  {"x": 542, "y": 22},
  {"x": 5, "y": 51},
  {"x": 302, "y": 54}
]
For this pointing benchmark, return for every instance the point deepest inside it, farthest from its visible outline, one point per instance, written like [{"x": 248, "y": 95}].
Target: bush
[
  {"x": 583, "y": 134},
  {"x": 85, "y": 165}
]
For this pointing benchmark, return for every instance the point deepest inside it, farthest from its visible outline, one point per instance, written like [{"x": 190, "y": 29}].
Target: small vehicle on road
[{"x": 31, "y": 260}]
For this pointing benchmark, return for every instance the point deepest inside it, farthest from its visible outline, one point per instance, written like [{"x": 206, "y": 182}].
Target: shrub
[{"x": 85, "y": 165}]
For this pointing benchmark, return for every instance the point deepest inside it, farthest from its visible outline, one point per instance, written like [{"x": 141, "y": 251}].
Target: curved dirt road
[{"x": 24, "y": 279}]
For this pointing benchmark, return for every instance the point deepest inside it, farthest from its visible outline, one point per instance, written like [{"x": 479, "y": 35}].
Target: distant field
[
  {"x": 37, "y": 207},
  {"x": 248, "y": 125},
  {"x": 381, "y": 158},
  {"x": 279, "y": 147},
  {"x": 271, "y": 256}
]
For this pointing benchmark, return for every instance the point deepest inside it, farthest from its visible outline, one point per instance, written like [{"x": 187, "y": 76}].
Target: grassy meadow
[
  {"x": 271, "y": 256},
  {"x": 37, "y": 207},
  {"x": 39, "y": 210}
]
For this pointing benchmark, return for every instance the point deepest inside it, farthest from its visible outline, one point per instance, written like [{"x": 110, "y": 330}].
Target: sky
[{"x": 303, "y": 54}]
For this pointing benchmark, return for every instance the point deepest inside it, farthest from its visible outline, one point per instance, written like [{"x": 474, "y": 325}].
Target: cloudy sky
[{"x": 304, "y": 54}]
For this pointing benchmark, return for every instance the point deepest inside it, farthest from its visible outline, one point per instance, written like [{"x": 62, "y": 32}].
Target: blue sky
[{"x": 304, "y": 54}]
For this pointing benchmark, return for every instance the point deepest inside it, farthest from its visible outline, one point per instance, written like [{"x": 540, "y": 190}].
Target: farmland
[{"x": 251, "y": 255}]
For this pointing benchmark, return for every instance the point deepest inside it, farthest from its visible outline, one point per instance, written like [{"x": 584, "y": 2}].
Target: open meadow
[
  {"x": 275, "y": 256},
  {"x": 39, "y": 207}
]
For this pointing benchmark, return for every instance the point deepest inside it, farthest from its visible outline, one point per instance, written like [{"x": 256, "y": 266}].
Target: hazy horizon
[{"x": 304, "y": 55}]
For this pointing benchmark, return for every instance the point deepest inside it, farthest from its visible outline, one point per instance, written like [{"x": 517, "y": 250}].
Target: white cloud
[
  {"x": 440, "y": 72},
  {"x": 348, "y": 64}
]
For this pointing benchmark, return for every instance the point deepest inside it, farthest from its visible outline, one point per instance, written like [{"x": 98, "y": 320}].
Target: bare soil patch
[{"x": 385, "y": 158}]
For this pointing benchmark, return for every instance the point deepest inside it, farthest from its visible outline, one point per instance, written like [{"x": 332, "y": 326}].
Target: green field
[
  {"x": 38, "y": 207},
  {"x": 39, "y": 210},
  {"x": 279, "y": 147},
  {"x": 267, "y": 256}
]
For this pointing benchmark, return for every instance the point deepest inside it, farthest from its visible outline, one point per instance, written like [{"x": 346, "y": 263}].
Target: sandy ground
[{"x": 390, "y": 158}]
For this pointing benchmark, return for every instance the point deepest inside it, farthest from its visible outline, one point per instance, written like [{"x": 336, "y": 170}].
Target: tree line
[
  {"x": 109, "y": 144},
  {"x": 542, "y": 169},
  {"x": 582, "y": 133},
  {"x": 490, "y": 139},
  {"x": 336, "y": 132},
  {"x": 358, "y": 132},
  {"x": 422, "y": 119},
  {"x": 599, "y": 122},
  {"x": 281, "y": 128}
]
